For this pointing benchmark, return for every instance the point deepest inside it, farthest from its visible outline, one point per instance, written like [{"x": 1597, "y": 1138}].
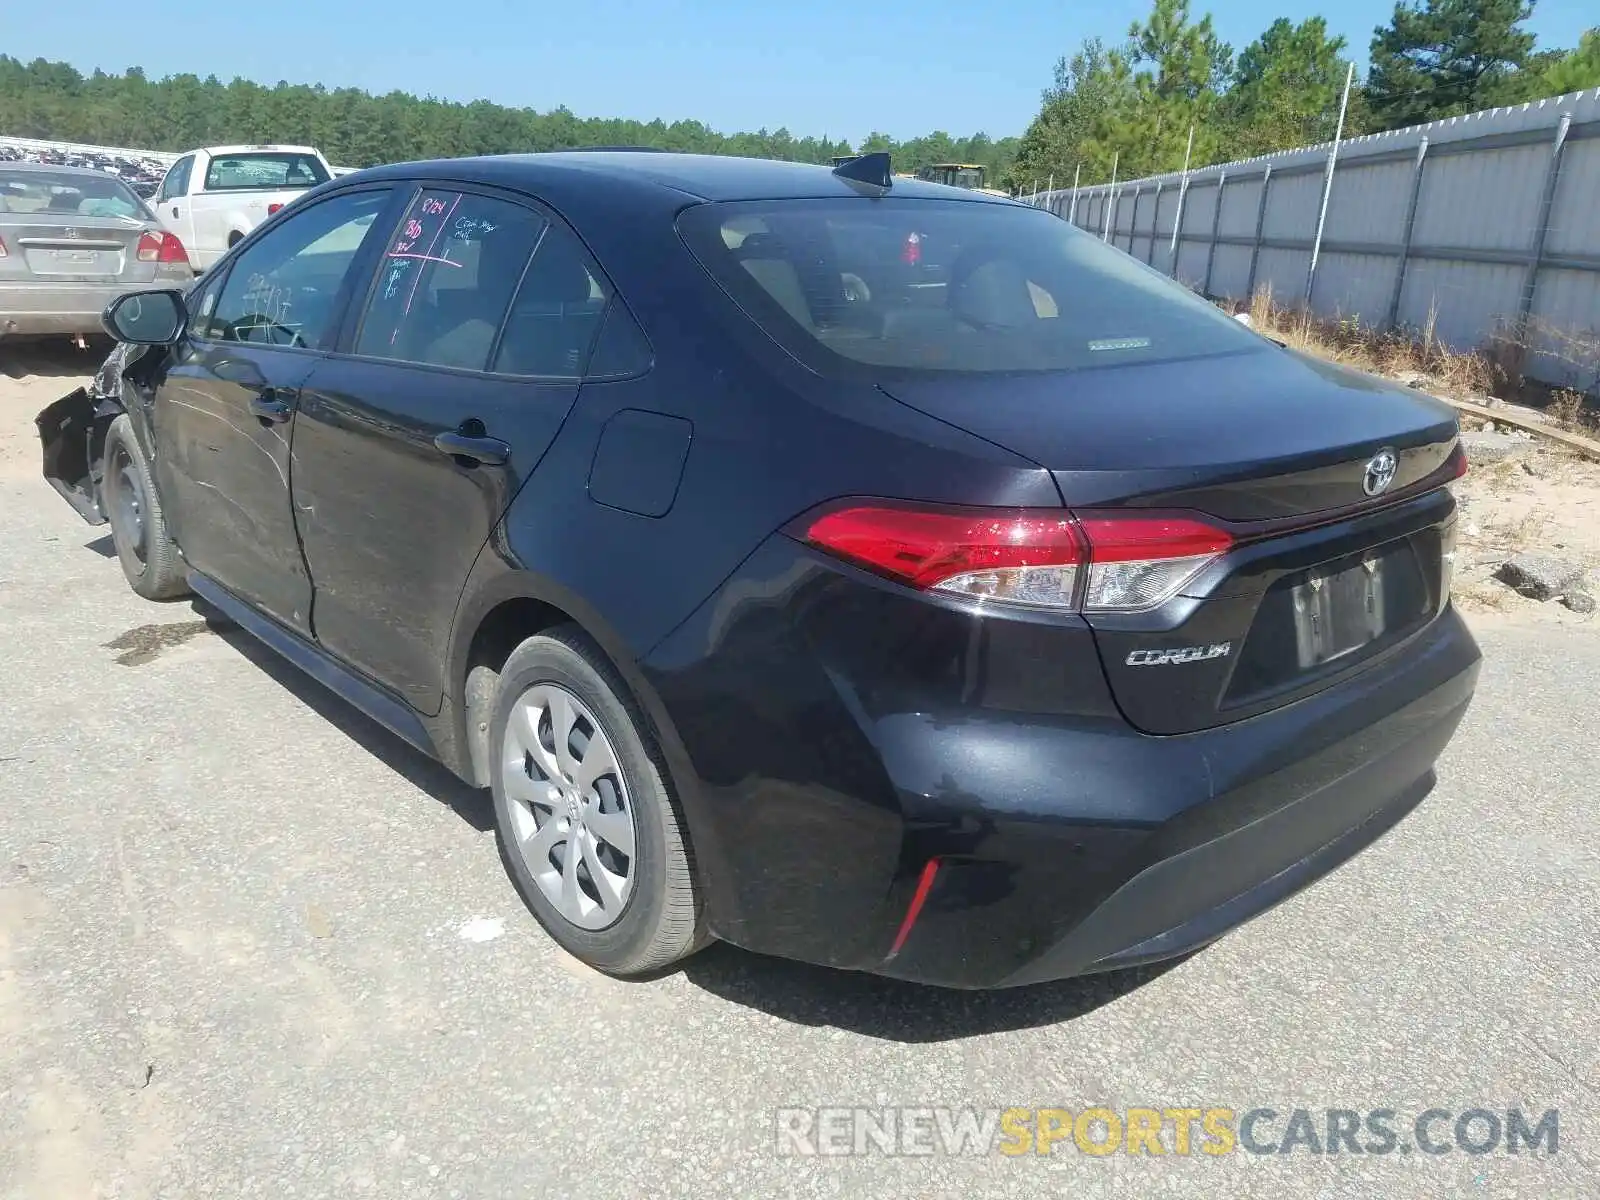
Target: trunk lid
[
  {"x": 1262, "y": 435},
  {"x": 1281, "y": 452},
  {"x": 73, "y": 248}
]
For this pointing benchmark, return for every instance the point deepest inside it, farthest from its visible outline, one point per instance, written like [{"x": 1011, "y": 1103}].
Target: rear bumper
[
  {"x": 1276, "y": 803},
  {"x": 34, "y": 309},
  {"x": 1066, "y": 842},
  {"x": 1183, "y": 902}
]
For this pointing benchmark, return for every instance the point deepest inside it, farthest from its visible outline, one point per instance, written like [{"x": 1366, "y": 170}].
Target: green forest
[
  {"x": 1131, "y": 104},
  {"x": 353, "y": 128}
]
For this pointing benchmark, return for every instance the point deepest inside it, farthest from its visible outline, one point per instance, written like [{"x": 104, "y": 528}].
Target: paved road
[{"x": 232, "y": 961}]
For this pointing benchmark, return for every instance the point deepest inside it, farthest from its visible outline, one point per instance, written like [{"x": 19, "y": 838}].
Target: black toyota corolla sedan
[{"x": 851, "y": 568}]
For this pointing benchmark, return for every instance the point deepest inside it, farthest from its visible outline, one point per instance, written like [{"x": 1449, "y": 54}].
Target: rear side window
[
  {"x": 876, "y": 287},
  {"x": 264, "y": 169},
  {"x": 622, "y": 349},
  {"x": 556, "y": 316},
  {"x": 446, "y": 281}
]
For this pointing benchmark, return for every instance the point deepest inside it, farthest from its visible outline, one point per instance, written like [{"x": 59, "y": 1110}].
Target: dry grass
[
  {"x": 1494, "y": 370},
  {"x": 1565, "y": 407},
  {"x": 1398, "y": 352},
  {"x": 1500, "y": 478}
]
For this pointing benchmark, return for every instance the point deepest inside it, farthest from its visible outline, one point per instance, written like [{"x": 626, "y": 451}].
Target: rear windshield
[
  {"x": 875, "y": 287},
  {"x": 70, "y": 193},
  {"x": 264, "y": 169}
]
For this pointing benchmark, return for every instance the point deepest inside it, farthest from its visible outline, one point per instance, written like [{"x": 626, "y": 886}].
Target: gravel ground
[{"x": 250, "y": 944}]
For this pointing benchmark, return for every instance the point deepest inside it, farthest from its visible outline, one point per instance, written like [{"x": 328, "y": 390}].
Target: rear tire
[
  {"x": 149, "y": 557},
  {"x": 586, "y": 824}
]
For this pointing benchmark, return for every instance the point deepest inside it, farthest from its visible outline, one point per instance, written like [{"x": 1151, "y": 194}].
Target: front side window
[
  {"x": 446, "y": 280},
  {"x": 869, "y": 288},
  {"x": 177, "y": 181},
  {"x": 274, "y": 170},
  {"x": 283, "y": 289},
  {"x": 201, "y": 303}
]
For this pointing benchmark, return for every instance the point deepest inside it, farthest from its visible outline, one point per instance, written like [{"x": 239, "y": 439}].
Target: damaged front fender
[{"x": 72, "y": 433}]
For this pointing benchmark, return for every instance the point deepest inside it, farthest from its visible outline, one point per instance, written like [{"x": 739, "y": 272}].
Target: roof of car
[
  {"x": 703, "y": 176},
  {"x": 265, "y": 149}
]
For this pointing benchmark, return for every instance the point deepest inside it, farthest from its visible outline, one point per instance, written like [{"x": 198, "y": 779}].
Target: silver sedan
[{"x": 71, "y": 241}]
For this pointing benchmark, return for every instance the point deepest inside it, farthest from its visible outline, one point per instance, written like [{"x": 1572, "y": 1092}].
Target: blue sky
[{"x": 819, "y": 67}]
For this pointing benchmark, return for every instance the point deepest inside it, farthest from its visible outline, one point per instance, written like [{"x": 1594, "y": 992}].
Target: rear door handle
[
  {"x": 270, "y": 408},
  {"x": 488, "y": 451}
]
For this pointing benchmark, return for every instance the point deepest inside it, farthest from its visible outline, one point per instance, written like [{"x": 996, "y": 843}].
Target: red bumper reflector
[{"x": 914, "y": 909}]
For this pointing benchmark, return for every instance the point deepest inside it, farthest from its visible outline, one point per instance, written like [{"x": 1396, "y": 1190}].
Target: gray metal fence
[{"x": 1483, "y": 226}]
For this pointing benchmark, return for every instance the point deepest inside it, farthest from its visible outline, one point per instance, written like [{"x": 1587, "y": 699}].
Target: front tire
[
  {"x": 149, "y": 557},
  {"x": 586, "y": 824}
]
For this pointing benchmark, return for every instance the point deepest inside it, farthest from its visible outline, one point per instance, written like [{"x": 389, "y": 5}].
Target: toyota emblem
[
  {"x": 1379, "y": 473},
  {"x": 72, "y": 233}
]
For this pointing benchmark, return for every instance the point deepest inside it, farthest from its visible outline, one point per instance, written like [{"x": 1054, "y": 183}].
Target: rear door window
[
  {"x": 878, "y": 287},
  {"x": 555, "y": 319},
  {"x": 622, "y": 350},
  {"x": 446, "y": 281}
]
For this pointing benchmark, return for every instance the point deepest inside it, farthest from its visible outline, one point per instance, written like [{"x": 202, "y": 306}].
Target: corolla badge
[
  {"x": 1379, "y": 473},
  {"x": 1179, "y": 654}
]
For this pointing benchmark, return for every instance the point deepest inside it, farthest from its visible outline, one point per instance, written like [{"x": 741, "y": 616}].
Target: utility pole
[
  {"x": 1183, "y": 190},
  {"x": 1327, "y": 184},
  {"x": 1111, "y": 196}
]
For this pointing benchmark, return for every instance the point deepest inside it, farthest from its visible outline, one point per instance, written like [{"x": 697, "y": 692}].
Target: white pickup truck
[{"x": 211, "y": 198}]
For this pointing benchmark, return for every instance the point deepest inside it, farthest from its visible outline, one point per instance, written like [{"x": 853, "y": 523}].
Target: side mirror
[{"x": 146, "y": 318}]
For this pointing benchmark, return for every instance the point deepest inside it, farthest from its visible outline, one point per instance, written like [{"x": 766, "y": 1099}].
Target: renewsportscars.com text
[{"x": 1214, "y": 1132}]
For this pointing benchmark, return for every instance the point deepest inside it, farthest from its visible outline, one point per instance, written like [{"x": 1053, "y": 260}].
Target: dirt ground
[
  {"x": 30, "y": 378},
  {"x": 1546, "y": 503}
]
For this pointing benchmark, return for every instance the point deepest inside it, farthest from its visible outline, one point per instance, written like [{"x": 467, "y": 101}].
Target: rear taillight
[
  {"x": 1017, "y": 557},
  {"x": 160, "y": 248},
  {"x": 1036, "y": 558},
  {"x": 1136, "y": 563}
]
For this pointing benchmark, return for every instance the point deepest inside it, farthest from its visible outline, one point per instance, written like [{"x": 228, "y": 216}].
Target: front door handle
[
  {"x": 270, "y": 408},
  {"x": 474, "y": 448}
]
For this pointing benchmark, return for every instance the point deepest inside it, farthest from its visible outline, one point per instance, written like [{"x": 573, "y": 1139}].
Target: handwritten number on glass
[{"x": 419, "y": 241}]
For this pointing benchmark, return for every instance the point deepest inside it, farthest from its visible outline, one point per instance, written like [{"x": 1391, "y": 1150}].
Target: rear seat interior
[
  {"x": 556, "y": 315},
  {"x": 553, "y": 319}
]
